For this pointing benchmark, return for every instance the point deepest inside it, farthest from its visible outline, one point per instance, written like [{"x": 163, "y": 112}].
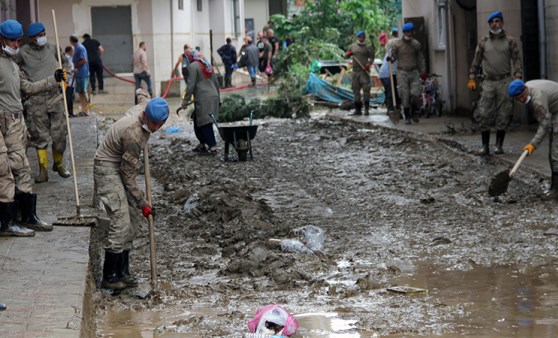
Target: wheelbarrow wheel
[
  {"x": 242, "y": 150},
  {"x": 242, "y": 155}
]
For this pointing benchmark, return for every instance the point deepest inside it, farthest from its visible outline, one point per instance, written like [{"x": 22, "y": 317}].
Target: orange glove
[
  {"x": 472, "y": 85},
  {"x": 147, "y": 211},
  {"x": 530, "y": 148}
]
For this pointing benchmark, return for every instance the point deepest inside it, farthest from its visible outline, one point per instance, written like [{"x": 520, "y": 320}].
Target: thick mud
[{"x": 396, "y": 211}]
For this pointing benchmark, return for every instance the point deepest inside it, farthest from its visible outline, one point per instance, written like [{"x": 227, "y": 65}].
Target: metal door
[{"x": 112, "y": 27}]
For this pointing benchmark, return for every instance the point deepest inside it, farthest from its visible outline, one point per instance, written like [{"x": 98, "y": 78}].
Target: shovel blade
[
  {"x": 394, "y": 116},
  {"x": 499, "y": 183}
]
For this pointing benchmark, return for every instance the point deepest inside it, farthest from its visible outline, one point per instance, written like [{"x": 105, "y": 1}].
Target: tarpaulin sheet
[{"x": 324, "y": 90}]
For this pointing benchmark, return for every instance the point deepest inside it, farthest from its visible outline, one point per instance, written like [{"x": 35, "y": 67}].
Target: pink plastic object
[
  {"x": 269, "y": 70},
  {"x": 276, "y": 314}
]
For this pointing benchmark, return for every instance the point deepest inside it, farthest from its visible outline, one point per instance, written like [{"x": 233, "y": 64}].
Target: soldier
[
  {"x": 114, "y": 171},
  {"x": 14, "y": 132},
  {"x": 363, "y": 57},
  {"x": 408, "y": 52},
  {"x": 46, "y": 110},
  {"x": 497, "y": 53},
  {"x": 541, "y": 97}
]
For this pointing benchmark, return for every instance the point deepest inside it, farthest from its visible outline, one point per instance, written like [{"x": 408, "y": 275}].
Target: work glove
[
  {"x": 147, "y": 211},
  {"x": 349, "y": 53},
  {"x": 472, "y": 85},
  {"x": 60, "y": 75},
  {"x": 234, "y": 67},
  {"x": 530, "y": 148},
  {"x": 424, "y": 76}
]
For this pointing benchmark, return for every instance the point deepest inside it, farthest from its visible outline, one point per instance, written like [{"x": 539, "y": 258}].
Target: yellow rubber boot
[
  {"x": 58, "y": 165},
  {"x": 43, "y": 165}
]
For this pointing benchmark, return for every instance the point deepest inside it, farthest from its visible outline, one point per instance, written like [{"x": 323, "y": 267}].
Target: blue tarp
[{"x": 324, "y": 90}]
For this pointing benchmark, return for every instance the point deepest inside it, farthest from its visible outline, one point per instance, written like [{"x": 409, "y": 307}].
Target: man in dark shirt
[
  {"x": 274, "y": 42},
  {"x": 228, "y": 55},
  {"x": 94, "y": 52}
]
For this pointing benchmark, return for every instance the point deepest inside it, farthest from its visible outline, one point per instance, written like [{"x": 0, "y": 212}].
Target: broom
[{"x": 78, "y": 219}]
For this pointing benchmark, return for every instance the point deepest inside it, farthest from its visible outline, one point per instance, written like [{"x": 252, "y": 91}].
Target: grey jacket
[{"x": 206, "y": 94}]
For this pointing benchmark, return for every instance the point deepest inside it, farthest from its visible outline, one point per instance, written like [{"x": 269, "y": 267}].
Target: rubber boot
[
  {"x": 58, "y": 164},
  {"x": 485, "y": 150},
  {"x": 125, "y": 275},
  {"x": 552, "y": 192},
  {"x": 253, "y": 82},
  {"x": 111, "y": 279},
  {"x": 8, "y": 224},
  {"x": 358, "y": 108},
  {"x": 407, "y": 113},
  {"x": 27, "y": 203},
  {"x": 228, "y": 82},
  {"x": 367, "y": 108},
  {"x": 42, "y": 155},
  {"x": 500, "y": 135}
]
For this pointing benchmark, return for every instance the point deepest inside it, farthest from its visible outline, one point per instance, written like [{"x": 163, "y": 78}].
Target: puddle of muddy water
[{"x": 498, "y": 301}]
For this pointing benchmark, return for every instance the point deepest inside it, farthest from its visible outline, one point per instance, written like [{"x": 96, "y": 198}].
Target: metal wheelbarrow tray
[{"x": 240, "y": 137}]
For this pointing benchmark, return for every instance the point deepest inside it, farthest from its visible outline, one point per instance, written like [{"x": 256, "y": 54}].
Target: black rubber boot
[
  {"x": 111, "y": 271},
  {"x": 253, "y": 82},
  {"x": 125, "y": 275},
  {"x": 228, "y": 82},
  {"x": 500, "y": 135},
  {"x": 27, "y": 203},
  {"x": 358, "y": 108},
  {"x": 552, "y": 192},
  {"x": 407, "y": 113},
  {"x": 485, "y": 150},
  {"x": 8, "y": 224},
  {"x": 367, "y": 108}
]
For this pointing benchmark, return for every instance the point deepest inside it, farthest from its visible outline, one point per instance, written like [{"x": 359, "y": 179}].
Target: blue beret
[
  {"x": 360, "y": 33},
  {"x": 395, "y": 30},
  {"x": 515, "y": 88},
  {"x": 35, "y": 28},
  {"x": 408, "y": 27},
  {"x": 157, "y": 110},
  {"x": 494, "y": 15},
  {"x": 11, "y": 29}
]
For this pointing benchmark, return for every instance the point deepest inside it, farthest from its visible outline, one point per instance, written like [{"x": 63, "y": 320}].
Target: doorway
[{"x": 112, "y": 27}]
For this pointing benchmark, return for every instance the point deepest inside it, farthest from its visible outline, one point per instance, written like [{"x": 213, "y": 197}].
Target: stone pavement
[{"x": 44, "y": 279}]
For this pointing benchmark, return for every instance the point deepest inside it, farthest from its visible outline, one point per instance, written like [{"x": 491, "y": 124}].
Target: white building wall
[{"x": 257, "y": 10}]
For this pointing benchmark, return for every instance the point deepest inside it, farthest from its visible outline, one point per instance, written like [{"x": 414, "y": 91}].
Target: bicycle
[{"x": 432, "y": 103}]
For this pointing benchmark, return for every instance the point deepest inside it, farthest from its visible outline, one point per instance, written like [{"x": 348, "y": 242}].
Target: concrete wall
[
  {"x": 257, "y": 10},
  {"x": 551, "y": 16}
]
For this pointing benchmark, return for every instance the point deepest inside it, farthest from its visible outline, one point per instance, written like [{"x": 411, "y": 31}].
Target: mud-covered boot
[
  {"x": 58, "y": 165},
  {"x": 485, "y": 150},
  {"x": 8, "y": 224},
  {"x": 42, "y": 155},
  {"x": 27, "y": 203},
  {"x": 125, "y": 275},
  {"x": 253, "y": 82},
  {"x": 367, "y": 108},
  {"x": 358, "y": 108},
  {"x": 552, "y": 192},
  {"x": 500, "y": 135},
  {"x": 111, "y": 267},
  {"x": 407, "y": 113}
]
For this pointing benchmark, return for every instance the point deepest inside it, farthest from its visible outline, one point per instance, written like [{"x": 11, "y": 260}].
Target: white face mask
[
  {"x": 9, "y": 50},
  {"x": 405, "y": 37},
  {"x": 498, "y": 31},
  {"x": 528, "y": 99},
  {"x": 41, "y": 41}
]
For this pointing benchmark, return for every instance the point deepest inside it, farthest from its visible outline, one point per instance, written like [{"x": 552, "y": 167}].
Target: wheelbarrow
[{"x": 239, "y": 136}]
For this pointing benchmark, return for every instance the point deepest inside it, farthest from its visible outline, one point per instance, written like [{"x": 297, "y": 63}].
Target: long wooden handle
[
  {"x": 152, "y": 247},
  {"x": 67, "y": 115},
  {"x": 518, "y": 163},
  {"x": 393, "y": 98}
]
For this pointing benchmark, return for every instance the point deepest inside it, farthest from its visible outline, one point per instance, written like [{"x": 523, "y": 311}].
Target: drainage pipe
[{"x": 542, "y": 38}]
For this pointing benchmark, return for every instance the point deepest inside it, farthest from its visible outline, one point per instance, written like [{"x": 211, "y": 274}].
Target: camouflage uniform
[
  {"x": 497, "y": 54},
  {"x": 363, "y": 56},
  {"x": 45, "y": 112},
  {"x": 115, "y": 176},
  {"x": 410, "y": 63},
  {"x": 7, "y": 183}
]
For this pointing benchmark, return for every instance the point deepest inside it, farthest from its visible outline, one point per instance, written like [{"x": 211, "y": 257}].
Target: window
[
  {"x": 200, "y": 5},
  {"x": 235, "y": 18},
  {"x": 181, "y": 5}
]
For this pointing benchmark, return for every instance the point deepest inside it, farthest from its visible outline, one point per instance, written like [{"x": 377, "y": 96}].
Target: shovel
[
  {"x": 152, "y": 247},
  {"x": 500, "y": 182},
  {"x": 394, "y": 115}
]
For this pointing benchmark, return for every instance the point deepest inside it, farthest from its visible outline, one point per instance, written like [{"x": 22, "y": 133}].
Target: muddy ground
[{"x": 396, "y": 210}]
